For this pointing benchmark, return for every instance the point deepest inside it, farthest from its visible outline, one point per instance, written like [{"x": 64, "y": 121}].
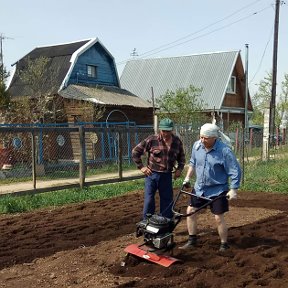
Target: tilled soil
[{"x": 82, "y": 245}]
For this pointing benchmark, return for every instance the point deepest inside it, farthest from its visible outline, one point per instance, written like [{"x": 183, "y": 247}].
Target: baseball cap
[{"x": 166, "y": 124}]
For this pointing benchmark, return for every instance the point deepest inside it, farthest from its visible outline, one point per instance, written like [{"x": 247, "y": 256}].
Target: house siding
[
  {"x": 137, "y": 115},
  {"x": 96, "y": 56}
]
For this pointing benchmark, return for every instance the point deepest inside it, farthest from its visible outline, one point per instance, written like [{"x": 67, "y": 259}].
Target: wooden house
[
  {"x": 82, "y": 80},
  {"x": 219, "y": 75},
  {"x": 82, "y": 72}
]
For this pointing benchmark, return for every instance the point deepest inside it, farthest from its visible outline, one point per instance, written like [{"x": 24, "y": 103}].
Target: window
[
  {"x": 232, "y": 85},
  {"x": 92, "y": 71}
]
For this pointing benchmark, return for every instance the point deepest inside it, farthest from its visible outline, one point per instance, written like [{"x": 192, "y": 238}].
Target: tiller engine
[{"x": 157, "y": 232}]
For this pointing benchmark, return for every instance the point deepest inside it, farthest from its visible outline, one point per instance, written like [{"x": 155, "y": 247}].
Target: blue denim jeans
[{"x": 163, "y": 183}]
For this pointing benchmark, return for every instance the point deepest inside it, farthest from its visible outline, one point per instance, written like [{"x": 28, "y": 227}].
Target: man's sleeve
[
  {"x": 137, "y": 152},
  {"x": 192, "y": 161},
  {"x": 234, "y": 170}
]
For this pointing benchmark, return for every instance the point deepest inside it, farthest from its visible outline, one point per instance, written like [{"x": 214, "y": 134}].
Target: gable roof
[
  {"x": 62, "y": 59},
  {"x": 104, "y": 95},
  {"x": 210, "y": 72}
]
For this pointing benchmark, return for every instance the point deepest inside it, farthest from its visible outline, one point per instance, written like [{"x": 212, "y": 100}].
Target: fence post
[
  {"x": 82, "y": 163},
  {"x": 33, "y": 148},
  {"x": 120, "y": 153}
]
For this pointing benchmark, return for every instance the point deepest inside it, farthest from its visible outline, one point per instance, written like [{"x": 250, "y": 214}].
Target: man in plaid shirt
[{"x": 164, "y": 150}]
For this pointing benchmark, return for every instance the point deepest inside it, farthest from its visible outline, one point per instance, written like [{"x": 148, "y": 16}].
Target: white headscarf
[
  {"x": 209, "y": 130},
  {"x": 212, "y": 130}
]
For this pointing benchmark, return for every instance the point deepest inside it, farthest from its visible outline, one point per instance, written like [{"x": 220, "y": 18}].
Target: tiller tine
[{"x": 163, "y": 260}]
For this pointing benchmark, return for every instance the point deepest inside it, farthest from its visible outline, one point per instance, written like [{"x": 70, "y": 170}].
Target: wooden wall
[
  {"x": 141, "y": 116},
  {"x": 82, "y": 111},
  {"x": 106, "y": 71}
]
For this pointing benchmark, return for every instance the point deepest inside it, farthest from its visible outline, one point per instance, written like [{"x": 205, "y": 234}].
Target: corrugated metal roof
[
  {"x": 210, "y": 72},
  {"x": 104, "y": 95}
]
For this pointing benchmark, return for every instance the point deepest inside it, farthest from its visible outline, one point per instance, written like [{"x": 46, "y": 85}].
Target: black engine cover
[
  {"x": 156, "y": 225},
  {"x": 157, "y": 231}
]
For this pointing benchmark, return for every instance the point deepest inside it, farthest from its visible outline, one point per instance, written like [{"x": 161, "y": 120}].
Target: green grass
[
  {"x": 12, "y": 204},
  {"x": 269, "y": 176},
  {"x": 65, "y": 174}
]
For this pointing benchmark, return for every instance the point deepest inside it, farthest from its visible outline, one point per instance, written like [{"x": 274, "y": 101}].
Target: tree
[
  {"x": 5, "y": 101},
  {"x": 45, "y": 105},
  {"x": 184, "y": 106},
  {"x": 4, "y": 95},
  {"x": 282, "y": 106},
  {"x": 257, "y": 116},
  {"x": 261, "y": 100},
  {"x": 38, "y": 78}
]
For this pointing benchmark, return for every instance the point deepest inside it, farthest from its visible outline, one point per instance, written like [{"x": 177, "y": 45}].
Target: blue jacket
[{"x": 216, "y": 171}]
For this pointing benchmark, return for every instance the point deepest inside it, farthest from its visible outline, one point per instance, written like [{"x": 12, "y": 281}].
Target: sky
[{"x": 151, "y": 29}]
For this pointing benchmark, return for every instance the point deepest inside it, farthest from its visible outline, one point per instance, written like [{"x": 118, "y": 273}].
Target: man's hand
[
  {"x": 177, "y": 174},
  {"x": 186, "y": 183},
  {"x": 146, "y": 171},
  {"x": 232, "y": 194}
]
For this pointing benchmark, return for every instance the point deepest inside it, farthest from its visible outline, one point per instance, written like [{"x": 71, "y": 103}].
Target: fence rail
[
  {"x": 36, "y": 159},
  {"x": 41, "y": 158}
]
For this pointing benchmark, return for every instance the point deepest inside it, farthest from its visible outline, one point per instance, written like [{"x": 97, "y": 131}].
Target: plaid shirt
[{"x": 160, "y": 159}]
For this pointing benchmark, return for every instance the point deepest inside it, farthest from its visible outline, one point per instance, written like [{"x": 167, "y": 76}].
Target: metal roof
[
  {"x": 104, "y": 95},
  {"x": 210, "y": 72}
]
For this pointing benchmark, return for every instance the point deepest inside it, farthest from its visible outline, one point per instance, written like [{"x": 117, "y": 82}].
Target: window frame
[
  {"x": 231, "y": 88},
  {"x": 93, "y": 71}
]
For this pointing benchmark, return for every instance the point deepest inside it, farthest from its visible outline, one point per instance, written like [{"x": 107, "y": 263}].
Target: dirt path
[
  {"x": 20, "y": 187},
  {"x": 83, "y": 245}
]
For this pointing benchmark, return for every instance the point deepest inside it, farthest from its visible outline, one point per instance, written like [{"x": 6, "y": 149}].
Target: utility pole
[
  {"x": 246, "y": 92},
  {"x": 246, "y": 124},
  {"x": 1, "y": 58},
  {"x": 274, "y": 75},
  {"x": 2, "y": 37},
  {"x": 134, "y": 53}
]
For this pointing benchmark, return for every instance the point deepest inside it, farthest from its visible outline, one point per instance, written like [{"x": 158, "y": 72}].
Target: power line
[
  {"x": 202, "y": 29},
  {"x": 263, "y": 54},
  {"x": 168, "y": 45},
  {"x": 210, "y": 32}
]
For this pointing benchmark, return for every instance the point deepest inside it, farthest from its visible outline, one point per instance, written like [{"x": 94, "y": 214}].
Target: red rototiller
[{"x": 157, "y": 232}]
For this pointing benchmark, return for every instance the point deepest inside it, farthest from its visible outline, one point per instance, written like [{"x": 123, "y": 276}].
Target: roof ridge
[
  {"x": 66, "y": 43},
  {"x": 182, "y": 56}
]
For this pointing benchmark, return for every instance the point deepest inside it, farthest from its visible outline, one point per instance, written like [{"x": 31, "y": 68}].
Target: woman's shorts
[{"x": 217, "y": 207}]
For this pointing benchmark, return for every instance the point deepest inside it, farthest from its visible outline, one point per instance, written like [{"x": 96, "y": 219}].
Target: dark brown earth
[{"x": 82, "y": 245}]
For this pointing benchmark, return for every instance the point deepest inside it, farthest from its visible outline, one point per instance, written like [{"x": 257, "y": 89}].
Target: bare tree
[{"x": 39, "y": 80}]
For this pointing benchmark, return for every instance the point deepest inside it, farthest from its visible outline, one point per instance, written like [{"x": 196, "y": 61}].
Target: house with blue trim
[
  {"x": 81, "y": 72},
  {"x": 81, "y": 83}
]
